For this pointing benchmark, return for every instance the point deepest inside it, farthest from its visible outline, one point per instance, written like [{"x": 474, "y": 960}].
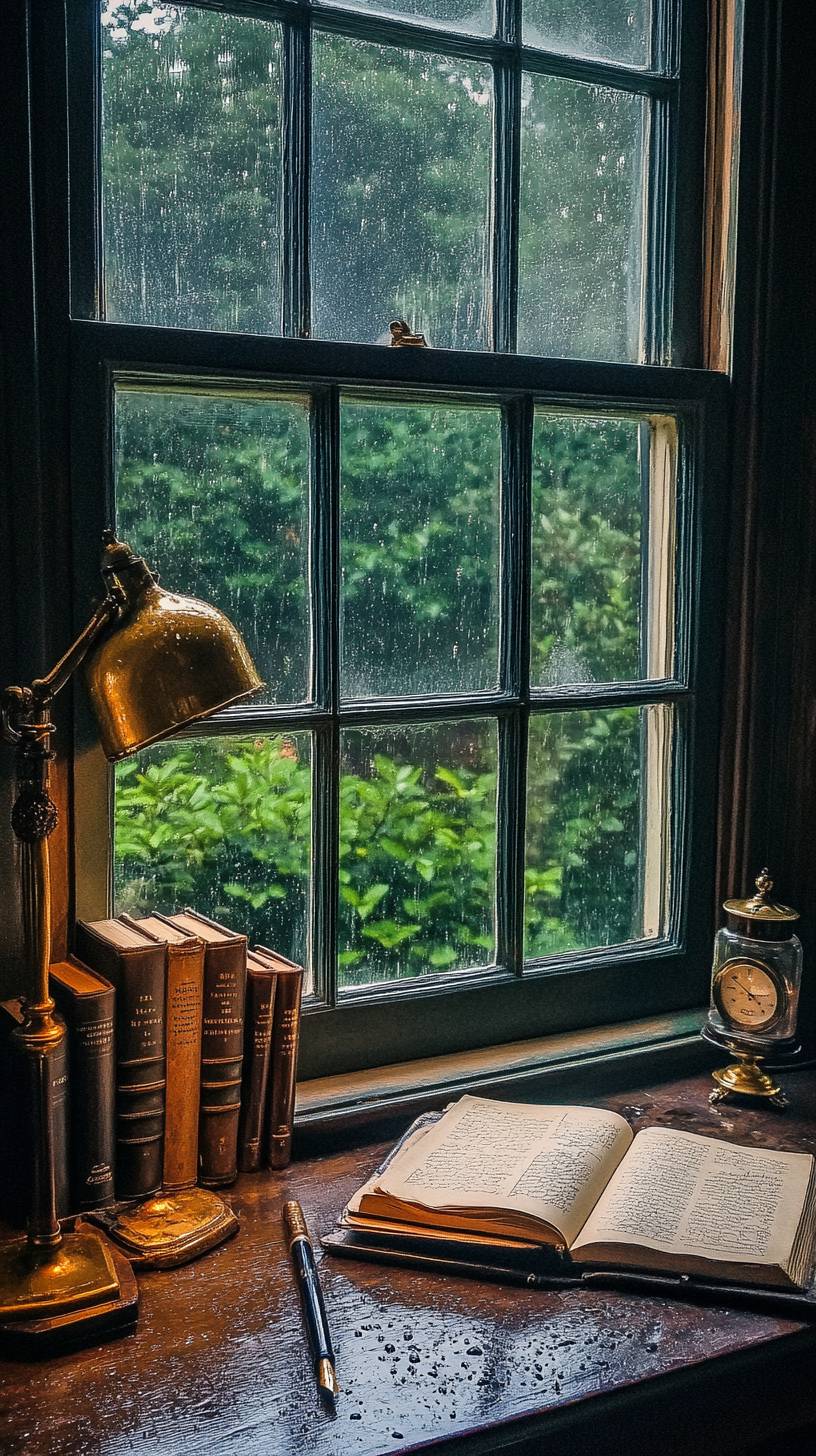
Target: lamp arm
[
  {"x": 21, "y": 706},
  {"x": 46, "y": 688}
]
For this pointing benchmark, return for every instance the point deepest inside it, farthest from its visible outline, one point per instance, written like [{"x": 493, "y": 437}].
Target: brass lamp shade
[{"x": 166, "y": 662}]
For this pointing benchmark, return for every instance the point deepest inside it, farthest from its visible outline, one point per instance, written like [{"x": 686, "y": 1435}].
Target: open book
[{"x": 512, "y": 1176}]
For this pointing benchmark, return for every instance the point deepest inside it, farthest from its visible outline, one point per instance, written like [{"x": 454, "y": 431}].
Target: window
[{"x": 477, "y": 577}]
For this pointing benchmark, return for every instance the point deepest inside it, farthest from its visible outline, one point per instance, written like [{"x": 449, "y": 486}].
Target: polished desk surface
[{"x": 218, "y": 1361}]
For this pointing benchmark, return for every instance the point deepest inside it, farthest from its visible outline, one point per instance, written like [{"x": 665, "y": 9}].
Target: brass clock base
[
  {"x": 746, "y": 1078},
  {"x": 170, "y": 1228}
]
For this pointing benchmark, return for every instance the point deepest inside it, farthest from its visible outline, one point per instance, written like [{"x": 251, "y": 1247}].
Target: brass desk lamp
[{"x": 154, "y": 662}]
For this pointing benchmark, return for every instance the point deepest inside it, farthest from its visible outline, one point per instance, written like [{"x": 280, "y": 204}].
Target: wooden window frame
[{"x": 560, "y": 993}]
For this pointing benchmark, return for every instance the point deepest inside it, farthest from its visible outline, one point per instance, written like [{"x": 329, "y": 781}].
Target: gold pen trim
[{"x": 326, "y": 1378}]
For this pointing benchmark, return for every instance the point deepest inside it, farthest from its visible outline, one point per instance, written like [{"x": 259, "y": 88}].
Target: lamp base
[
  {"x": 171, "y": 1228},
  {"x": 80, "y": 1293}
]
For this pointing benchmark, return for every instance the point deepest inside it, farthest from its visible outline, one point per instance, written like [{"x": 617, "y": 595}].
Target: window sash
[
  {"x": 674, "y": 153},
  {"x": 636, "y": 978}
]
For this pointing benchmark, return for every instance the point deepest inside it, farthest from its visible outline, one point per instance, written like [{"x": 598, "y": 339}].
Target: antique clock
[{"x": 754, "y": 993}]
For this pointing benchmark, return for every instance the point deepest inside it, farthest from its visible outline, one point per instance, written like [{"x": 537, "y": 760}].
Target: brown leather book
[
  {"x": 185, "y": 991},
  {"x": 86, "y": 1001},
  {"x": 260, "y": 1005},
  {"x": 18, "y": 1130},
  {"x": 222, "y": 1046},
  {"x": 136, "y": 966},
  {"x": 283, "y": 1072}
]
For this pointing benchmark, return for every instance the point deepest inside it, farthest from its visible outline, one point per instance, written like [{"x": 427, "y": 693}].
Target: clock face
[{"x": 747, "y": 996}]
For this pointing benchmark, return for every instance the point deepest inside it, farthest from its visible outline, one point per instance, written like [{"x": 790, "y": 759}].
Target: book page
[
  {"x": 550, "y": 1162},
  {"x": 682, "y": 1193}
]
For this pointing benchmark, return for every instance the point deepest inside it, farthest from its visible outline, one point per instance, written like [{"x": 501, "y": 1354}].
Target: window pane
[
  {"x": 420, "y": 513},
  {"x": 603, "y": 549},
  {"x": 598, "y": 828},
  {"x": 213, "y": 490},
  {"x": 474, "y": 17},
  {"x": 583, "y": 156},
  {"x": 191, "y": 167},
  {"x": 417, "y": 850},
  {"x": 609, "y": 30},
  {"x": 400, "y": 193},
  {"x": 221, "y": 824}
]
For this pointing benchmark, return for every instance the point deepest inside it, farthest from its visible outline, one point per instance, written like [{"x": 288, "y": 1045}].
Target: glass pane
[
  {"x": 221, "y": 824},
  {"x": 417, "y": 850},
  {"x": 598, "y": 828},
  {"x": 400, "y": 193},
  {"x": 420, "y": 549},
  {"x": 213, "y": 490},
  {"x": 474, "y": 17},
  {"x": 609, "y": 30},
  {"x": 603, "y": 549},
  {"x": 191, "y": 167},
  {"x": 583, "y": 154}
]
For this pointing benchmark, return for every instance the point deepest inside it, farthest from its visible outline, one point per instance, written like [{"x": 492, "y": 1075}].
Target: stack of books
[{"x": 180, "y": 1062}]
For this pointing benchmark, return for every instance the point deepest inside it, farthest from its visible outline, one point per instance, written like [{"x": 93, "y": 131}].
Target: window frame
[{"x": 513, "y": 999}]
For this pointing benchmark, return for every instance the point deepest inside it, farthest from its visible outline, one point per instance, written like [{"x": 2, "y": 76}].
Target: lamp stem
[{"x": 42, "y": 1034}]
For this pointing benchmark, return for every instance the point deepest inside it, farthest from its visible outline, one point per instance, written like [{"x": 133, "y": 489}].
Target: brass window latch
[{"x": 403, "y": 338}]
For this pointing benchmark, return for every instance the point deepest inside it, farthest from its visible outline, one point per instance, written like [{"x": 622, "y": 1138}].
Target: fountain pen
[{"x": 311, "y": 1298}]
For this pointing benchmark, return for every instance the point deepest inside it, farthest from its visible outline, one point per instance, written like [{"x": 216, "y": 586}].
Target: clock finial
[{"x": 764, "y": 885}]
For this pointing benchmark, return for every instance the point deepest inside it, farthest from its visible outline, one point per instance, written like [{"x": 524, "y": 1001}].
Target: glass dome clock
[{"x": 755, "y": 982}]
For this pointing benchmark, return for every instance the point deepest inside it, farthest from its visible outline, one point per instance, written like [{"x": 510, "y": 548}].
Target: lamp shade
[{"x": 165, "y": 661}]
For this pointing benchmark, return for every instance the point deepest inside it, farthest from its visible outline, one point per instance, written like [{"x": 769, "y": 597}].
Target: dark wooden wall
[{"x": 768, "y": 791}]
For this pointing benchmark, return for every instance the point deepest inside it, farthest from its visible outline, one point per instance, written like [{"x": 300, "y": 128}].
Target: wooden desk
[{"x": 218, "y": 1363}]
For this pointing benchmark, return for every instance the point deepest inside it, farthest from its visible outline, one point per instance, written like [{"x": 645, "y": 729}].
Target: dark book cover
[
  {"x": 136, "y": 967},
  {"x": 222, "y": 1046},
  {"x": 285, "y": 1042},
  {"x": 18, "y": 1130},
  {"x": 185, "y": 992},
  {"x": 86, "y": 1001},
  {"x": 260, "y": 1004}
]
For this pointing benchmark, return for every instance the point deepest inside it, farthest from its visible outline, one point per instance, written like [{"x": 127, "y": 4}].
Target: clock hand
[{"x": 747, "y": 992}]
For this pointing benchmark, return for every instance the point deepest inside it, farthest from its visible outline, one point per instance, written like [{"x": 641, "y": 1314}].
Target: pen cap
[{"x": 294, "y": 1222}]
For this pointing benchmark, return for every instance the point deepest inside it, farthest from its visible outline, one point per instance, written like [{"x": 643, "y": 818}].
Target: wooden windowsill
[{"x": 572, "y": 1064}]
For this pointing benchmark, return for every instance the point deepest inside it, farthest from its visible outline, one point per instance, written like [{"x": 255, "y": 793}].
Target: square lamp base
[{"x": 82, "y": 1292}]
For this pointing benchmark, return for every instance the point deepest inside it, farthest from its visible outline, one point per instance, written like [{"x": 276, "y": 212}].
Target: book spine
[
  {"x": 91, "y": 1098},
  {"x": 140, "y": 1091},
  {"x": 222, "y": 1055},
  {"x": 285, "y": 1039},
  {"x": 260, "y": 1003},
  {"x": 139, "y": 980},
  {"x": 185, "y": 986},
  {"x": 21, "y": 1125}
]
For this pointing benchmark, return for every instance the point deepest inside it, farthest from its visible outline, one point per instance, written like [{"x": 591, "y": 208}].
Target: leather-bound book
[
  {"x": 222, "y": 1046},
  {"x": 18, "y": 1129},
  {"x": 136, "y": 967},
  {"x": 185, "y": 991},
  {"x": 260, "y": 1005},
  {"x": 285, "y": 1041},
  {"x": 86, "y": 1000}
]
